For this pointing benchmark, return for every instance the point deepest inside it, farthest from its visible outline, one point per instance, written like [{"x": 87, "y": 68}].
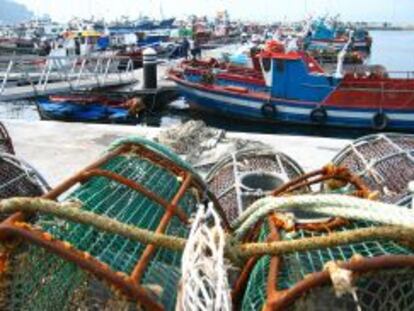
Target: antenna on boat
[{"x": 341, "y": 56}]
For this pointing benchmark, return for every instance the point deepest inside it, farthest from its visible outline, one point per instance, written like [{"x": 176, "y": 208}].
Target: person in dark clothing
[
  {"x": 195, "y": 50},
  {"x": 47, "y": 48},
  {"x": 185, "y": 48},
  {"x": 77, "y": 46}
]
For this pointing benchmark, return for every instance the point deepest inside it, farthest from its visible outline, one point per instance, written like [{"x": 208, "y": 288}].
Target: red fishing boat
[{"x": 292, "y": 87}]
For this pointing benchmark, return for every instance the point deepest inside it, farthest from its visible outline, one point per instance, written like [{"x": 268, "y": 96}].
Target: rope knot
[{"x": 342, "y": 279}]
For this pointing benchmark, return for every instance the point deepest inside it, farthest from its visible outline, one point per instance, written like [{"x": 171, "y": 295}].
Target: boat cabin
[
  {"x": 77, "y": 44},
  {"x": 296, "y": 76}
]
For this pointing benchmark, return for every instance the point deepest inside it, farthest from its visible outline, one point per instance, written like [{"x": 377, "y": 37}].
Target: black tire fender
[
  {"x": 269, "y": 110},
  {"x": 379, "y": 121},
  {"x": 319, "y": 115}
]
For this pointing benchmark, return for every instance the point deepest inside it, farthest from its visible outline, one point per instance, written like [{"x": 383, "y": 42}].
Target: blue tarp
[{"x": 93, "y": 112}]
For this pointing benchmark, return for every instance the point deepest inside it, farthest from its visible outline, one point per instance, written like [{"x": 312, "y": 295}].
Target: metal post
[
  {"x": 108, "y": 65},
  {"x": 39, "y": 83},
  {"x": 47, "y": 75},
  {"x": 150, "y": 68},
  {"x": 6, "y": 77},
  {"x": 80, "y": 72}
]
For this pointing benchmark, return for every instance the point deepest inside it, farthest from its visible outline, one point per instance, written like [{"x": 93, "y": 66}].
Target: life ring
[
  {"x": 319, "y": 115},
  {"x": 379, "y": 121},
  {"x": 269, "y": 111}
]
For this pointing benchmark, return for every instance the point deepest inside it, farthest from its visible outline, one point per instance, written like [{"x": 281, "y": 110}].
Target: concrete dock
[{"x": 58, "y": 150}]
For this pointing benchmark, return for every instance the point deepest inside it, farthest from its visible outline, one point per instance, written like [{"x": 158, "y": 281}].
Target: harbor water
[{"x": 392, "y": 49}]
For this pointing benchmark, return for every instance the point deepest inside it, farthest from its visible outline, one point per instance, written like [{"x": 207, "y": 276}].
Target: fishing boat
[
  {"x": 89, "y": 108},
  {"x": 292, "y": 87},
  {"x": 323, "y": 36}
]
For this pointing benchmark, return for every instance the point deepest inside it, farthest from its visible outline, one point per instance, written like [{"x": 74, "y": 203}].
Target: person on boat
[
  {"x": 77, "y": 46},
  {"x": 192, "y": 48},
  {"x": 195, "y": 49},
  {"x": 185, "y": 48}
]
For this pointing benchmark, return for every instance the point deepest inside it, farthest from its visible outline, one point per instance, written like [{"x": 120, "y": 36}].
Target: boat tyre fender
[
  {"x": 319, "y": 115},
  {"x": 379, "y": 121},
  {"x": 269, "y": 111}
]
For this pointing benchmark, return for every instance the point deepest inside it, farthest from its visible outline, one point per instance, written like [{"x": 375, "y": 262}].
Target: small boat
[
  {"x": 292, "y": 87},
  {"x": 90, "y": 108}
]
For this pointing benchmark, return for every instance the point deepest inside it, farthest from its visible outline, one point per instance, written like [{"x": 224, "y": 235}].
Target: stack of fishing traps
[
  {"x": 52, "y": 259},
  {"x": 54, "y": 264}
]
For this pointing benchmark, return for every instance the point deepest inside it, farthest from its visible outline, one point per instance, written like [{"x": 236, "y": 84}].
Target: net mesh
[
  {"x": 40, "y": 280},
  {"x": 297, "y": 266},
  {"x": 384, "y": 161},
  {"x": 18, "y": 179},
  {"x": 225, "y": 179},
  {"x": 6, "y": 145}
]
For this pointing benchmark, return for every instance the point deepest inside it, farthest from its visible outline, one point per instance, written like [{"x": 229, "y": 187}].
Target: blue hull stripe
[{"x": 249, "y": 107}]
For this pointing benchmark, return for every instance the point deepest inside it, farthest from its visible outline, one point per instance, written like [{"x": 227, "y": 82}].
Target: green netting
[
  {"x": 255, "y": 294},
  {"x": 296, "y": 266},
  {"x": 41, "y": 281},
  {"x": 384, "y": 291}
]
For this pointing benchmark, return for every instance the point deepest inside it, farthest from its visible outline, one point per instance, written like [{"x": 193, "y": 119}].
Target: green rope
[
  {"x": 397, "y": 234},
  {"x": 235, "y": 251},
  {"x": 326, "y": 204}
]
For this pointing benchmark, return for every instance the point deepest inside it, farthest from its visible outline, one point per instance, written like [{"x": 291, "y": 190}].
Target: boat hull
[
  {"x": 75, "y": 112},
  {"x": 252, "y": 107}
]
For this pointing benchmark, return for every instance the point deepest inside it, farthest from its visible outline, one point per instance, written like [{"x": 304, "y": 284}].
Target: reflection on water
[{"x": 393, "y": 49}]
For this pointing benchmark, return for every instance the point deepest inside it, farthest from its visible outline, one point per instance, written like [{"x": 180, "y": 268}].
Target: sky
[{"x": 264, "y": 10}]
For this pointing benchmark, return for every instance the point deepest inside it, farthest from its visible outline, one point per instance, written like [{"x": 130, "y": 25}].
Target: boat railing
[
  {"x": 41, "y": 72},
  {"x": 409, "y": 75}
]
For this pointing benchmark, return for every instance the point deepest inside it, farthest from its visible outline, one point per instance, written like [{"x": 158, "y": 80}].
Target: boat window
[
  {"x": 266, "y": 64},
  {"x": 280, "y": 65}
]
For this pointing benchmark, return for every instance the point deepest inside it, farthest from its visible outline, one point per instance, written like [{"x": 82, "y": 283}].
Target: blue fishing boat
[
  {"x": 292, "y": 87},
  {"x": 323, "y": 36},
  {"x": 84, "y": 108}
]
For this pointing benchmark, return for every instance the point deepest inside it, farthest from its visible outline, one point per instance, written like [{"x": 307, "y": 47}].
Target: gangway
[{"x": 28, "y": 77}]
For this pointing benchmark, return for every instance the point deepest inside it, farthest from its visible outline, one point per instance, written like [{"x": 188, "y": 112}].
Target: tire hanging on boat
[
  {"x": 319, "y": 115},
  {"x": 269, "y": 111},
  {"x": 379, "y": 121}
]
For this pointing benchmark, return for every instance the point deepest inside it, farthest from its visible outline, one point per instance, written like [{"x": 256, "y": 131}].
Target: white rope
[
  {"x": 204, "y": 283},
  {"x": 326, "y": 204}
]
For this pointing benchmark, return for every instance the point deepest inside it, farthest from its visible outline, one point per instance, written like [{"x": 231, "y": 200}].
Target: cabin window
[
  {"x": 280, "y": 65},
  {"x": 266, "y": 64}
]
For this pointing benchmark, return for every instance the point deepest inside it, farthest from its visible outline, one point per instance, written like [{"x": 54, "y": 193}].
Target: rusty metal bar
[
  {"x": 339, "y": 173},
  {"x": 275, "y": 263},
  {"x": 289, "y": 184},
  {"x": 150, "y": 249},
  {"x": 57, "y": 191},
  {"x": 178, "y": 170},
  {"x": 135, "y": 186},
  {"x": 81, "y": 259},
  {"x": 239, "y": 288},
  {"x": 359, "y": 266}
]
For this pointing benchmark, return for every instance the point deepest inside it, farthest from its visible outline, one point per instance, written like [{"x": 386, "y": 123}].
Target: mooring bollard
[{"x": 150, "y": 68}]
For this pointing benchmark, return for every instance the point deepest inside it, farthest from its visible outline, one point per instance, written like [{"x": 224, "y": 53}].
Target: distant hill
[{"x": 12, "y": 12}]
